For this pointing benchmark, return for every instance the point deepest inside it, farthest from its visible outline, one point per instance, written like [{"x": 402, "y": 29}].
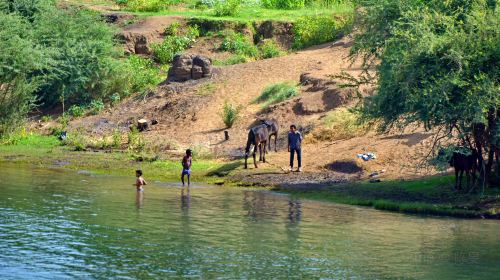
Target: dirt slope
[{"x": 188, "y": 116}]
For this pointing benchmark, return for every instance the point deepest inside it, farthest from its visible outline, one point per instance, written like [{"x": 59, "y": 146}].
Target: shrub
[
  {"x": 314, "y": 30},
  {"x": 76, "y": 111},
  {"x": 230, "y": 113},
  {"x": 76, "y": 140},
  {"x": 239, "y": 44},
  {"x": 226, "y": 8},
  {"x": 116, "y": 139},
  {"x": 172, "y": 29},
  {"x": 277, "y": 93},
  {"x": 46, "y": 118},
  {"x": 269, "y": 49},
  {"x": 172, "y": 45},
  {"x": 135, "y": 141},
  {"x": 96, "y": 106},
  {"x": 143, "y": 74}
]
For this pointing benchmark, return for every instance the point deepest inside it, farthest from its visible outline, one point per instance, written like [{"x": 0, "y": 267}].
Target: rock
[
  {"x": 186, "y": 67},
  {"x": 205, "y": 63},
  {"x": 196, "y": 72}
]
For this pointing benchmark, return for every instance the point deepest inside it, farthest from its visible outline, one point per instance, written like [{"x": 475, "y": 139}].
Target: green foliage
[
  {"x": 77, "y": 111},
  {"x": 238, "y": 43},
  {"x": 135, "y": 141},
  {"x": 46, "y": 118},
  {"x": 437, "y": 65},
  {"x": 116, "y": 139},
  {"x": 164, "y": 52},
  {"x": 141, "y": 73},
  {"x": 283, "y": 4},
  {"x": 234, "y": 59},
  {"x": 230, "y": 113},
  {"x": 226, "y": 8},
  {"x": 314, "y": 30},
  {"x": 340, "y": 124},
  {"x": 146, "y": 5},
  {"x": 269, "y": 49},
  {"x": 76, "y": 140},
  {"x": 277, "y": 93},
  {"x": 96, "y": 106},
  {"x": 172, "y": 29},
  {"x": 19, "y": 57},
  {"x": 22, "y": 137}
]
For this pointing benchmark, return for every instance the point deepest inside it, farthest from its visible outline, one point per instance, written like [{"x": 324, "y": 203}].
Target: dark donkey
[
  {"x": 272, "y": 129},
  {"x": 257, "y": 136},
  {"x": 464, "y": 163}
]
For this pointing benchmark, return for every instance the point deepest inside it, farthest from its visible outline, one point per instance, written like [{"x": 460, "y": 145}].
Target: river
[{"x": 60, "y": 224}]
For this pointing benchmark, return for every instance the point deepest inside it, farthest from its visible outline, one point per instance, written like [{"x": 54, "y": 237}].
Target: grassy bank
[
  {"x": 47, "y": 151},
  {"x": 427, "y": 196}
]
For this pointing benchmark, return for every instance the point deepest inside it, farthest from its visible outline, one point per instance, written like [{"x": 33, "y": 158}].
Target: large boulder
[{"x": 189, "y": 67}]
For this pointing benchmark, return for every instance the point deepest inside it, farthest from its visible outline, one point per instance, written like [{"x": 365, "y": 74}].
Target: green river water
[{"x": 57, "y": 224}]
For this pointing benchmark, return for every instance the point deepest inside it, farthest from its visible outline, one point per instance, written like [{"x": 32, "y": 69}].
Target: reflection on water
[
  {"x": 185, "y": 197},
  {"x": 58, "y": 224},
  {"x": 139, "y": 197}
]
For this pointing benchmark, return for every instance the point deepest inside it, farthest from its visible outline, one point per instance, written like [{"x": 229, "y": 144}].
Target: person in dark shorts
[
  {"x": 294, "y": 143},
  {"x": 186, "y": 166}
]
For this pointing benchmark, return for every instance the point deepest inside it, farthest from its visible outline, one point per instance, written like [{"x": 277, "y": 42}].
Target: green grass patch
[
  {"x": 255, "y": 13},
  {"x": 427, "y": 196},
  {"x": 47, "y": 151},
  {"x": 234, "y": 59},
  {"x": 277, "y": 93}
]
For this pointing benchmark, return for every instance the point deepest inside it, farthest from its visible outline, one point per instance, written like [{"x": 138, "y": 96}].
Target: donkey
[
  {"x": 257, "y": 136},
  {"x": 273, "y": 129},
  {"x": 464, "y": 163}
]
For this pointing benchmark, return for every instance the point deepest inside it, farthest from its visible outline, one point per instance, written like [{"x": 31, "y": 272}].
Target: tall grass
[
  {"x": 277, "y": 93},
  {"x": 229, "y": 114},
  {"x": 340, "y": 124}
]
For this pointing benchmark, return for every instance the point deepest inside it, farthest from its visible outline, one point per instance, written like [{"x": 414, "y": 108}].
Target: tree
[
  {"x": 437, "y": 64},
  {"x": 18, "y": 58}
]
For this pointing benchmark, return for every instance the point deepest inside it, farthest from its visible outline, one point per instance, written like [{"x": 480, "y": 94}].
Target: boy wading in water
[
  {"x": 294, "y": 141},
  {"x": 140, "y": 182},
  {"x": 186, "y": 166}
]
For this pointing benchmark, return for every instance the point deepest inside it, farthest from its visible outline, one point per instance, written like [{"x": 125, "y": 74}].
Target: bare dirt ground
[{"x": 189, "y": 116}]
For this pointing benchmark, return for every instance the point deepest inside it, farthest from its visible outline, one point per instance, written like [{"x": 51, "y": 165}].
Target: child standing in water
[
  {"x": 186, "y": 166},
  {"x": 140, "y": 182}
]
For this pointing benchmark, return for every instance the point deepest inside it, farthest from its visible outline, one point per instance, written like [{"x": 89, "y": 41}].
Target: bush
[
  {"x": 172, "y": 29},
  {"x": 277, "y": 93},
  {"x": 270, "y": 49},
  {"x": 239, "y": 44},
  {"x": 96, "y": 106},
  {"x": 19, "y": 57},
  {"x": 76, "y": 111},
  {"x": 227, "y": 7},
  {"x": 172, "y": 45},
  {"x": 116, "y": 139},
  {"x": 230, "y": 113},
  {"x": 314, "y": 30},
  {"x": 142, "y": 73}
]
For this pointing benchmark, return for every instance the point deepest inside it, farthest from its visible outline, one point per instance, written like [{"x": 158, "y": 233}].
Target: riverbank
[{"x": 427, "y": 196}]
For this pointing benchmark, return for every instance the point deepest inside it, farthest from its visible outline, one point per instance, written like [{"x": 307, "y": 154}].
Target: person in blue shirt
[{"x": 294, "y": 141}]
